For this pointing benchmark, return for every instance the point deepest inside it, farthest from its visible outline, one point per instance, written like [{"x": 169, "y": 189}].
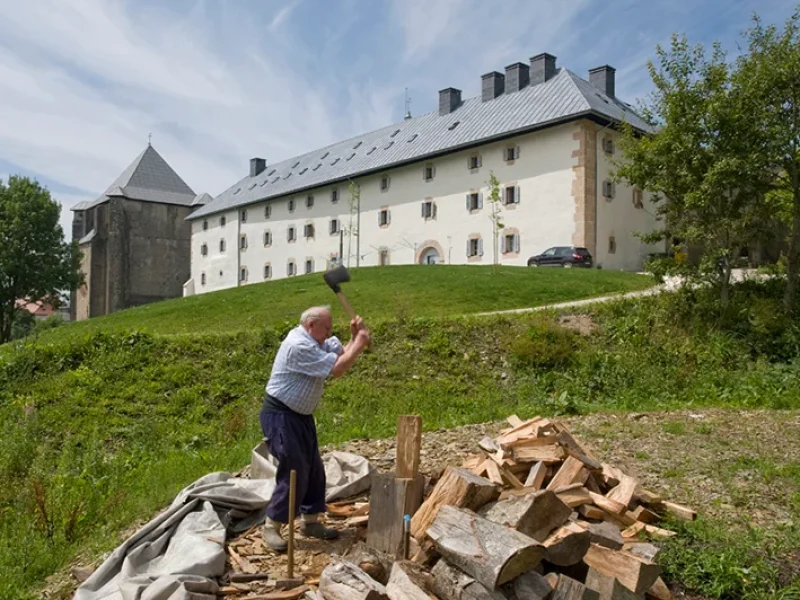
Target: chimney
[
  {"x": 492, "y": 85},
  {"x": 543, "y": 67},
  {"x": 517, "y": 77},
  {"x": 449, "y": 100},
  {"x": 257, "y": 166},
  {"x": 603, "y": 79}
]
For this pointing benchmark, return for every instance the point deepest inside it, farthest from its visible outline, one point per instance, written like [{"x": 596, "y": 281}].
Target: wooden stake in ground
[
  {"x": 290, "y": 581},
  {"x": 409, "y": 442}
]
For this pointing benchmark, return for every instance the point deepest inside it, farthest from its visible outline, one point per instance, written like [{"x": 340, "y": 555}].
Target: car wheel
[{"x": 567, "y": 265}]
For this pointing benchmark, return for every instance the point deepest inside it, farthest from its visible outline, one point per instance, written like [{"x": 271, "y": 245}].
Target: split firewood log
[{"x": 345, "y": 581}]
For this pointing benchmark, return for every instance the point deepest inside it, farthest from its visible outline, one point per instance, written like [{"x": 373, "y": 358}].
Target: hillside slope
[{"x": 375, "y": 293}]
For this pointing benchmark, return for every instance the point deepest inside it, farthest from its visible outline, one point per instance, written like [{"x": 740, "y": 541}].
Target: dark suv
[{"x": 562, "y": 256}]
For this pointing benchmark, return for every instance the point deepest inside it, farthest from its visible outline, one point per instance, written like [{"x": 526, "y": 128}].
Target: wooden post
[
  {"x": 409, "y": 442},
  {"x": 395, "y": 495},
  {"x": 292, "y": 500}
]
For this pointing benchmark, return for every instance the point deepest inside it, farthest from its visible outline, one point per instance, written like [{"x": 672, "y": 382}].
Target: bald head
[{"x": 318, "y": 322}]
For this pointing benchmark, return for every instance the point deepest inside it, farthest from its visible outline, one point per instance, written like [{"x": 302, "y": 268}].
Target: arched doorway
[{"x": 429, "y": 256}]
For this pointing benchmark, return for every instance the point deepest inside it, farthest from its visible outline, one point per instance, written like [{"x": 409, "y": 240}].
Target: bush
[{"x": 545, "y": 345}]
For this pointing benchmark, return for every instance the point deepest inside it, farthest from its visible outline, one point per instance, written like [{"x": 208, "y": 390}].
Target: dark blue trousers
[{"x": 292, "y": 440}]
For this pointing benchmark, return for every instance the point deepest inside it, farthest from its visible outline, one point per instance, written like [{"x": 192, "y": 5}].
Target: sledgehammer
[{"x": 334, "y": 278}]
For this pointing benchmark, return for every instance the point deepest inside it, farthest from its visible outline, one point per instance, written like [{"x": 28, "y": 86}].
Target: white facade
[{"x": 253, "y": 243}]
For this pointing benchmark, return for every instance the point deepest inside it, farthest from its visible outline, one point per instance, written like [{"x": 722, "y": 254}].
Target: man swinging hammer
[{"x": 305, "y": 359}]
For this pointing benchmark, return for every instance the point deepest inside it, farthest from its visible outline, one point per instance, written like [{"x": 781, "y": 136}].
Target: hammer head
[{"x": 335, "y": 277}]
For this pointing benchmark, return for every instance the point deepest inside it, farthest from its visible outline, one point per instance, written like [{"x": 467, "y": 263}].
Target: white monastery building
[{"x": 422, "y": 187}]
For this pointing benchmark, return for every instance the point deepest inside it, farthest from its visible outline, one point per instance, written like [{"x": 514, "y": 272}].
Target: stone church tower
[{"x": 134, "y": 238}]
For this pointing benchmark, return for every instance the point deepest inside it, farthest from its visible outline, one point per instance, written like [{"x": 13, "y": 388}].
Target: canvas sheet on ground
[{"x": 180, "y": 553}]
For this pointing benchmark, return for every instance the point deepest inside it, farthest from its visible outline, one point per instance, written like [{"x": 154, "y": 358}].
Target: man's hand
[
  {"x": 356, "y": 325},
  {"x": 363, "y": 337}
]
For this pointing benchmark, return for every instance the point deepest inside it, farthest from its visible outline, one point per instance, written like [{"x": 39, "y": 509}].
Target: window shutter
[
  {"x": 468, "y": 206},
  {"x": 388, "y": 216},
  {"x": 480, "y": 200},
  {"x": 422, "y": 210},
  {"x": 469, "y": 243},
  {"x": 433, "y": 210},
  {"x": 480, "y": 161},
  {"x": 516, "y": 242},
  {"x": 516, "y": 152},
  {"x": 516, "y": 194},
  {"x": 480, "y": 247},
  {"x": 433, "y": 171}
]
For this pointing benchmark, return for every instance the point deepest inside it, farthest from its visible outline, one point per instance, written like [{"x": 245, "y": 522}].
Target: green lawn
[{"x": 376, "y": 293}]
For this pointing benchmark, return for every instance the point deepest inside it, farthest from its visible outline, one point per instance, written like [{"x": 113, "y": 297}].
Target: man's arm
[{"x": 351, "y": 351}]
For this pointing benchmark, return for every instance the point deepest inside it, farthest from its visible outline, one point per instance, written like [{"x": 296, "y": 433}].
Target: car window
[
  {"x": 562, "y": 252},
  {"x": 549, "y": 252},
  {"x": 582, "y": 251}
]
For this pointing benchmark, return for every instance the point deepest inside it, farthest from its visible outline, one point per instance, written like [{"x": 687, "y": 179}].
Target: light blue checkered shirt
[{"x": 300, "y": 369}]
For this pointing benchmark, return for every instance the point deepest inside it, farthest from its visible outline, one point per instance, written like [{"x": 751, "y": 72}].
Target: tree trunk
[
  {"x": 792, "y": 257},
  {"x": 491, "y": 553}
]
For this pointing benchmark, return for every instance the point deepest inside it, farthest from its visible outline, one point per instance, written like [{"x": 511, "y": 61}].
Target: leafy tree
[
  {"x": 497, "y": 222},
  {"x": 35, "y": 260},
  {"x": 705, "y": 163},
  {"x": 770, "y": 71}
]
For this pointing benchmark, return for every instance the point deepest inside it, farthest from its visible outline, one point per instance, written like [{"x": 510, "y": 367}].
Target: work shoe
[
  {"x": 273, "y": 539},
  {"x": 318, "y": 530}
]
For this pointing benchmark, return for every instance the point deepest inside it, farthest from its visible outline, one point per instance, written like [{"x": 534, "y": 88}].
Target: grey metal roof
[
  {"x": 565, "y": 96},
  {"x": 148, "y": 178}
]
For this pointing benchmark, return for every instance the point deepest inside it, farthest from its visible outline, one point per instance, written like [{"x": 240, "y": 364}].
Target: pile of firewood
[{"x": 535, "y": 515}]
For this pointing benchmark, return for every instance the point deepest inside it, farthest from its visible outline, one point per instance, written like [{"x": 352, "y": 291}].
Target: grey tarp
[{"x": 179, "y": 554}]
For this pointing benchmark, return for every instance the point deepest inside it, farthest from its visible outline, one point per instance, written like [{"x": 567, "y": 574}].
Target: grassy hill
[
  {"x": 375, "y": 293},
  {"x": 102, "y": 422}
]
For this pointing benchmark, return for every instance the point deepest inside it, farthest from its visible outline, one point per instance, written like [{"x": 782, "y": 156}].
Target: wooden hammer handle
[
  {"x": 292, "y": 508},
  {"x": 346, "y": 305}
]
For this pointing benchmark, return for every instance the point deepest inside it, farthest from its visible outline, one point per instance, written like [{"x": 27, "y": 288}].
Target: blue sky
[{"x": 83, "y": 82}]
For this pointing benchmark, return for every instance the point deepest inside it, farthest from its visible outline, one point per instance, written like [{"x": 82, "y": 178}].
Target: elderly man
[{"x": 305, "y": 359}]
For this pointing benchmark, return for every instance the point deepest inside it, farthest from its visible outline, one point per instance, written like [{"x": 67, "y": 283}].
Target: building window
[
  {"x": 244, "y": 216},
  {"x": 385, "y": 180},
  {"x": 333, "y": 226},
  {"x": 511, "y": 243},
  {"x": 267, "y": 271},
  {"x": 429, "y": 172},
  {"x": 474, "y": 247},
  {"x": 291, "y": 205},
  {"x": 608, "y": 145},
  {"x": 267, "y": 211},
  {"x": 335, "y": 195},
  {"x": 511, "y": 153},
  {"x": 220, "y": 274},
  {"x": 608, "y": 189},
  {"x": 383, "y": 217},
  {"x": 429, "y": 209},
  {"x": 309, "y": 265},
  {"x": 474, "y": 162},
  {"x": 222, "y": 245},
  {"x": 222, "y": 221},
  {"x": 243, "y": 242},
  {"x": 267, "y": 238},
  {"x": 290, "y": 268},
  {"x": 309, "y": 201},
  {"x": 291, "y": 234},
  {"x": 383, "y": 257},
  {"x": 205, "y": 225},
  {"x": 204, "y": 250},
  {"x": 612, "y": 245},
  {"x": 511, "y": 195},
  {"x": 308, "y": 230},
  {"x": 202, "y": 278},
  {"x": 474, "y": 201},
  {"x": 243, "y": 274},
  {"x": 637, "y": 198}
]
